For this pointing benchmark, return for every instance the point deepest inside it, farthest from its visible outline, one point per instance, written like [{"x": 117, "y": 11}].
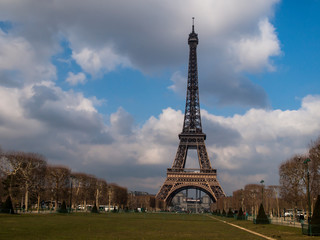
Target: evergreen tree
[
  {"x": 262, "y": 217},
  {"x": 223, "y": 213},
  {"x": 63, "y": 208},
  {"x": 218, "y": 212},
  {"x": 230, "y": 213},
  {"x": 7, "y": 206},
  {"x": 94, "y": 209},
  {"x": 240, "y": 215},
  {"x": 316, "y": 212}
]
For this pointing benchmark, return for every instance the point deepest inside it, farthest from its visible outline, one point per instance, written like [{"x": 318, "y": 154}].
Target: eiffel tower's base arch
[
  {"x": 187, "y": 187},
  {"x": 178, "y": 181}
]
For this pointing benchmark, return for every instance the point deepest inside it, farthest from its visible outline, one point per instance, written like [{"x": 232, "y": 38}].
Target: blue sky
[
  {"x": 100, "y": 86},
  {"x": 297, "y": 75}
]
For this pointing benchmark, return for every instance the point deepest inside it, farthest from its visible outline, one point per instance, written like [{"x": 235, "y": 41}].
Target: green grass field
[{"x": 133, "y": 226}]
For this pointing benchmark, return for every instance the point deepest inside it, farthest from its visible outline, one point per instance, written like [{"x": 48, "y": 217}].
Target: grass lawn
[
  {"x": 133, "y": 226},
  {"x": 271, "y": 230}
]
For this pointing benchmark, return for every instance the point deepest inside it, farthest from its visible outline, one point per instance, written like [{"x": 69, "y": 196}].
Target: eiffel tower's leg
[
  {"x": 204, "y": 161},
  {"x": 180, "y": 160},
  {"x": 164, "y": 190},
  {"x": 217, "y": 190}
]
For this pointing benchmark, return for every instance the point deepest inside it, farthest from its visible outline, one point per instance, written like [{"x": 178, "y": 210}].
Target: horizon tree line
[
  {"x": 291, "y": 192},
  {"x": 29, "y": 180}
]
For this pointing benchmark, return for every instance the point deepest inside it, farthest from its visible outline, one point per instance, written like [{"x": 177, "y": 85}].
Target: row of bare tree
[
  {"x": 290, "y": 194},
  {"x": 293, "y": 177},
  {"x": 251, "y": 197},
  {"x": 28, "y": 180}
]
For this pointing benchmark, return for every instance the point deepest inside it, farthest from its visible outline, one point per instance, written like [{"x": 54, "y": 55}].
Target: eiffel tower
[{"x": 178, "y": 177}]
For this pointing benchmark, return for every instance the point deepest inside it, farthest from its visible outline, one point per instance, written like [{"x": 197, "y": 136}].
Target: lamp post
[
  {"x": 262, "y": 181},
  {"x": 308, "y": 190},
  {"x": 70, "y": 206},
  {"x": 242, "y": 199}
]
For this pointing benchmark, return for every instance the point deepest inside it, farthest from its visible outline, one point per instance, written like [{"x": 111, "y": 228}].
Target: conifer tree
[
  {"x": 230, "y": 213},
  {"x": 223, "y": 213},
  {"x": 7, "y": 206},
  {"x": 262, "y": 217},
  {"x": 316, "y": 212},
  {"x": 63, "y": 208},
  {"x": 240, "y": 215},
  {"x": 94, "y": 209}
]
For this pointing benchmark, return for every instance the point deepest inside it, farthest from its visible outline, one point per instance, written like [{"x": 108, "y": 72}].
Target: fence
[{"x": 288, "y": 221}]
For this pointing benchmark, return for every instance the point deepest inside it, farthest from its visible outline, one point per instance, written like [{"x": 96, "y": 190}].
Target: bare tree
[
  {"x": 9, "y": 169},
  {"x": 314, "y": 167},
  {"x": 274, "y": 199},
  {"x": 58, "y": 183},
  {"x": 101, "y": 192},
  {"x": 90, "y": 188},
  {"x": 293, "y": 181},
  {"x": 31, "y": 173},
  {"x": 78, "y": 187},
  {"x": 252, "y": 197},
  {"x": 119, "y": 195},
  {"x": 39, "y": 180}
]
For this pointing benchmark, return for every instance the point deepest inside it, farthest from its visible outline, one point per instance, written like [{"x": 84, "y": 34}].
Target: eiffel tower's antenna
[{"x": 193, "y": 24}]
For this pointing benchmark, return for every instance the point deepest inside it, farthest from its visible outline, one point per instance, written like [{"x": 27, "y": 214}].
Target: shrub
[
  {"x": 240, "y": 215},
  {"x": 230, "y": 213},
  {"x": 316, "y": 212},
  {"x": 94, "y": 209},
  {"x": 223, "y": 213},
  {"x": 63, "y": 208},
  {"x": 313, "y": 229},
  {"x": 262, "y": 217},
  {"x": 7, "y": 206}
]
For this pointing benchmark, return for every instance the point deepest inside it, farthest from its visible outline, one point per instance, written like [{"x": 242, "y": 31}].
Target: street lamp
[
  {"x": 242, "y": 199},
  {"x": 70, "y": 206},
  {"x": 262, "y": 181},
  {"x": 308, "y": 191}
]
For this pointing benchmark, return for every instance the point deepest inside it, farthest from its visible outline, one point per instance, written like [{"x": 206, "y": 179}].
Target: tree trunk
[
  {"x": 56, "y": 206},
  {"x": 26, "y": 197},
  {"x": 38, "y": 203},
  {"x": 22, "y": 200},
  {"x": 97, "y": 199},
  {"x": 10, "y": 188}
]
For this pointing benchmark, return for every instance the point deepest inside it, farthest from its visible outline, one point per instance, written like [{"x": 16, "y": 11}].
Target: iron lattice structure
[{"x": 191, "y": 137}]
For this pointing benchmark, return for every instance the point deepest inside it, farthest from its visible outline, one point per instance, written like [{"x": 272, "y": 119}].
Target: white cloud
[
  {"x": 133, "y": 34},
  {"x": 99, "y": 61},
  {"x": 253, "y": 53},
  {"x": 67, "y": 128},
  {"x": 18, "y": 59},
  {"x": 179, "y": 82},
  {"x": 75, "y": 79},
  {"x": 121, "y": 122}
]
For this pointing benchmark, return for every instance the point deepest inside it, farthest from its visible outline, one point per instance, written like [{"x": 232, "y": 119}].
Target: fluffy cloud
[
  {"x": 179, "y": 82},
  {"x": 75, "y": 79},
  {"x": 66, "y": 127},
  {"x": 105, "y": 36},
  {"x": 99, "y": 62},
  {"x": 19, "y": 63},
  {"x": 253, "y": 53}
]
